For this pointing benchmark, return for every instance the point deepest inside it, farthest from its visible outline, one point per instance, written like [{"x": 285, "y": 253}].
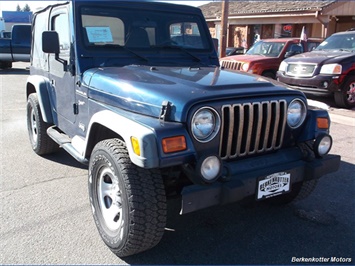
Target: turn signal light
[
  {"x": 174, "y": 144},
  {"x": 135, "y": 146},
  {"x": 322, "y": 123}
]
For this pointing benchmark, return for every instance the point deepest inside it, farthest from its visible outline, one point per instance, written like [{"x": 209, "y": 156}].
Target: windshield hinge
[{"x": 165, "y": 110}]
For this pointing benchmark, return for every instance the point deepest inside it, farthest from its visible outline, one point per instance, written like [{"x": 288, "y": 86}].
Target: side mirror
[{"x": 50, "y": 42}]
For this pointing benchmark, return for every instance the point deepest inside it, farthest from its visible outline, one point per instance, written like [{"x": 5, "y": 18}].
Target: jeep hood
[
  {"x": 320, "y": 57},
  {"x": 143, "y": 89}
]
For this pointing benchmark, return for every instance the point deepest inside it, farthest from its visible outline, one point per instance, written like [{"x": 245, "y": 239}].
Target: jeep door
[{"x": 63, "y": 81}]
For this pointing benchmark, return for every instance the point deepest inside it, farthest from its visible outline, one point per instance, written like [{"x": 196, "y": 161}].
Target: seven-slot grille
[
  {"x": 251, "y": 128},
  {"x": 235, "y": 65}
]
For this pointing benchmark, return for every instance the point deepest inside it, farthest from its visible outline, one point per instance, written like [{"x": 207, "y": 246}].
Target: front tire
[
  {"x": 346, "y": 97},
  {"x": 128, "y": 202},
  {"x": 37, "y": 129}
]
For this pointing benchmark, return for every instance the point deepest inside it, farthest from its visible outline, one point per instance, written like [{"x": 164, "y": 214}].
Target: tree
[{"x": 26, "y": 8}]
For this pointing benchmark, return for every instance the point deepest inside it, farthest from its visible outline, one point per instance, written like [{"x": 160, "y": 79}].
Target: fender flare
[
  {"x": 310, "y": 129},
  {"x": 41, "y": 86},
  {"x": 127, "y": 128}
]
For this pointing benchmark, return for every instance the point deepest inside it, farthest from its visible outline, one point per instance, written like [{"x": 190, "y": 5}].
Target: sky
[{"x": 6, "y": 5}]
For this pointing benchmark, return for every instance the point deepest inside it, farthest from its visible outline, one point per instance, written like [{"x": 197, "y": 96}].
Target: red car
[{"x": 265, "y": 56}]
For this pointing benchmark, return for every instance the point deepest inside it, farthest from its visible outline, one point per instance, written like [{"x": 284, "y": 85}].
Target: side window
[
  {"x": 39, "y": 59},
  {"x": 61, "y": 25},
  {"x": 295, "y": 48},
  {"x": 311, "y": 46}
]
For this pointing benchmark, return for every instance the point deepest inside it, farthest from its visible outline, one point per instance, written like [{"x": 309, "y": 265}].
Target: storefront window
[{"x": 286, "y": 30}]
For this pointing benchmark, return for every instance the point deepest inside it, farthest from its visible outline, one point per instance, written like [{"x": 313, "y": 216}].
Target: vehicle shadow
[
  {"x": 13, "y": 71},
  {"x": 263, "y": 233},
  {"x": 327, "y": 99},
  {"x": 62, "y": 157}
]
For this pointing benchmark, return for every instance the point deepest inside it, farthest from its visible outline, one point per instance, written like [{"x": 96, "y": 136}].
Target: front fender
[
  {"x": 126, "y": 128},
  {"x": 41, "y": 86},
  {"x": 311, "y": 130}
]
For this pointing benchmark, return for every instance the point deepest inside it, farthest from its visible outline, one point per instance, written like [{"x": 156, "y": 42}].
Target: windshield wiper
[
  {"x": 174, "y": 45},
  {"x": 256, "y": 54},
  {"x": 346, "y": 50},
  {"x": 128, "y": 50}
]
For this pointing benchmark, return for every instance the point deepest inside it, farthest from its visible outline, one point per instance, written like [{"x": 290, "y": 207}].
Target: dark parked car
[{"x": 329, "y": 69}]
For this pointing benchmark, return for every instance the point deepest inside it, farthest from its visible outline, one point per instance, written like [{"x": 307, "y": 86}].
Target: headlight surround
[
  {"x": 331, "y": 69},
  {"x": 283, "y": 66},
  {"x": 205, "y": 124},
  {"x": 296, "y": 113}
]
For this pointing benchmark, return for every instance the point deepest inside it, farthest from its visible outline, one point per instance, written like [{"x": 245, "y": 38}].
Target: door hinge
[
  {"x": 76, "y": 108},
  {"x": 165, "y": 110}
]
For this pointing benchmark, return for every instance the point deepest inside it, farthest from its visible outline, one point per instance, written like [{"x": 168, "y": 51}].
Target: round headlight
[
  {"x": 210, "y": 168},
  {"x": 296, "y": 113},
  {"x": 322, "y": 145},
  {"x": 245, "y": 67},
  {"x": 205, "y": 124}
]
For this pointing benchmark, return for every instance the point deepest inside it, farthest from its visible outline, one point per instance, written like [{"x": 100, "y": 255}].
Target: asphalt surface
[{"x": 46, "y": 217}]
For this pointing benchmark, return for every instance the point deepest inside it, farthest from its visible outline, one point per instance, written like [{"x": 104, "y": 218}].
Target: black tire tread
[
  {"x": 44, "y": 145},
  {"x": 147, "y": 201}
]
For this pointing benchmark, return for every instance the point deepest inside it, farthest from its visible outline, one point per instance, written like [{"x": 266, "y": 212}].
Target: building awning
[{"x": 212, "y": 11}]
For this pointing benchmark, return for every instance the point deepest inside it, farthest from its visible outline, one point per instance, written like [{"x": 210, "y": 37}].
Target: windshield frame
[{"x": 157, "y": 30}]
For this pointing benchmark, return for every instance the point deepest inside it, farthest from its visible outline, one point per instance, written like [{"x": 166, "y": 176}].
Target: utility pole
[{"x": 224, "y": 25}]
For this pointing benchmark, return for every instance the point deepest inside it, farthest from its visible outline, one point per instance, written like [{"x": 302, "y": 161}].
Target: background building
[{"x": 250, "y": 20}]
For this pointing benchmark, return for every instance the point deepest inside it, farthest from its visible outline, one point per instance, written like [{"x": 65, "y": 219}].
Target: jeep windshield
[
  {"x": 342, "y": 42},
  {"x": 150, "y": 37},
  {"x": 269, "y": 49}
]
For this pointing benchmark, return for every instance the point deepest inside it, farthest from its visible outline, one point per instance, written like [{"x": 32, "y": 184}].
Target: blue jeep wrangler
[{"x": 136, "y": 92}]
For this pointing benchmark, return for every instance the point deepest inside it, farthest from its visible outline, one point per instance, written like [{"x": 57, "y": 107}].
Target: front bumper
[
  {"x": 241, "y": 178},
  {"x": 318, "y": 84}
]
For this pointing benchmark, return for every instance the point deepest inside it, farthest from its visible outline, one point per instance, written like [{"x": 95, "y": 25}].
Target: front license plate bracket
[{"x": 273, "y": 185}]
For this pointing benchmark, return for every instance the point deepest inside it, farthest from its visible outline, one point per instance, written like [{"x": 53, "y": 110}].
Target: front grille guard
[{"x": 252, "y": 128}]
